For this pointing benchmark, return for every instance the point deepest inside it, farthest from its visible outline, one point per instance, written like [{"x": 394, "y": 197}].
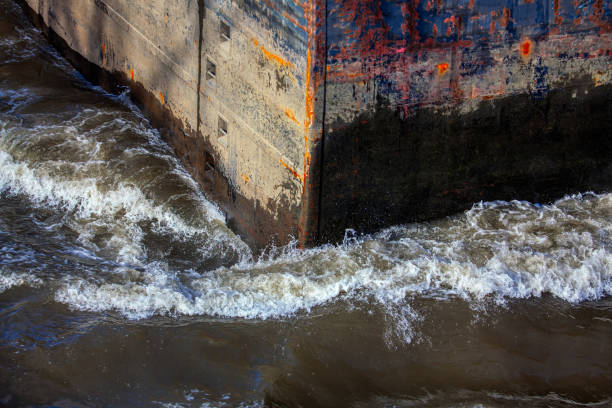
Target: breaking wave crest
[
  {"x": 12, "y": 279},
  {"x": 113, "y": 179},
  {"x": 122, "y": 207},
  {"x": 496, "y": 250}
]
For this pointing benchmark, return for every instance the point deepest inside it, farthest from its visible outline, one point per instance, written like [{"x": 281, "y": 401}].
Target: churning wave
[
  {"x": 106, "y": 171},
  {"x": 496, "y": 250},
  {"x": 12, "y": 279}
]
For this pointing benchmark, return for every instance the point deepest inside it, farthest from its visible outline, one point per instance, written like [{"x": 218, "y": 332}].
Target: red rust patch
[
  {"x": 526, "y": 47},
  {"x": 442, "y": 68},
  {"x": 558, "y": 18},
  {"x": 132, "y": 73}
]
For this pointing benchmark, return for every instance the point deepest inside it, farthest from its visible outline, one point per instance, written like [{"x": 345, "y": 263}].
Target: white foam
[
  {"x": 516, "y": 262},
  {"x": 85, "y": 200},
  {"x": 12, "y": 279}
]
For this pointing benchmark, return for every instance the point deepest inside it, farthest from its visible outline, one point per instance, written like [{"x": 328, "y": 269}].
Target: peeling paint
[{"x": 291, "y": 115}]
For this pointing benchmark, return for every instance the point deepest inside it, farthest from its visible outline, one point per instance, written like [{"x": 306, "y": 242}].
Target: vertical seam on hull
[
  {"x": 201, "y": 6},
  {"x": 323, "y": 131}
]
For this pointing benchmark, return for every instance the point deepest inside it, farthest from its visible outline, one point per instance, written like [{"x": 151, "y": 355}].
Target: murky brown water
[{"x": 120, "y": 285}]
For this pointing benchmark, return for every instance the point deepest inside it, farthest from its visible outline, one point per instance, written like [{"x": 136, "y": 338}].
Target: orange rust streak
[
  {"x": 272, "y": 56},
  {"x": 132, "y": 73},
  {"x": 309, "y": 107},
  {"x": 293, "y": 20},
  {"x": 309, "y": 95},
  {"x": 295, "y": 173},
  {"x": 161, "y": 97},
  {"x": 103, "y": 48},
  {"x": 505, "y": 18},
  {"x": 351, "y": 74},
  {"x": 291, "y": 116},
  {"x": 245, "y": 177},
  {"x": 341, "y": 75}
]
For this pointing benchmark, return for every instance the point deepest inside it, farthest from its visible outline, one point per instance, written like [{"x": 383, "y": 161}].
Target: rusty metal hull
[
  {"x": 303, "y": 119},
  {"x": 433, "y": 105}
]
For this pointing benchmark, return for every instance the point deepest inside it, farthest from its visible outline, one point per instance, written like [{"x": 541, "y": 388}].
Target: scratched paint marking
[
  {"x": 292, "y": 171},
  {"x": 273, "y": 57}
]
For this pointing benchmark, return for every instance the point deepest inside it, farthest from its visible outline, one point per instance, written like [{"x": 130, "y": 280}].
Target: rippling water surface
[{"x": 120, "y": 284}]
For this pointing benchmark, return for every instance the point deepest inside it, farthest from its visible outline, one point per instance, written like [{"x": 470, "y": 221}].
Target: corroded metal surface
[
  {"x": 456, "y": 53},
  {"x": 432, "y": 105}
]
